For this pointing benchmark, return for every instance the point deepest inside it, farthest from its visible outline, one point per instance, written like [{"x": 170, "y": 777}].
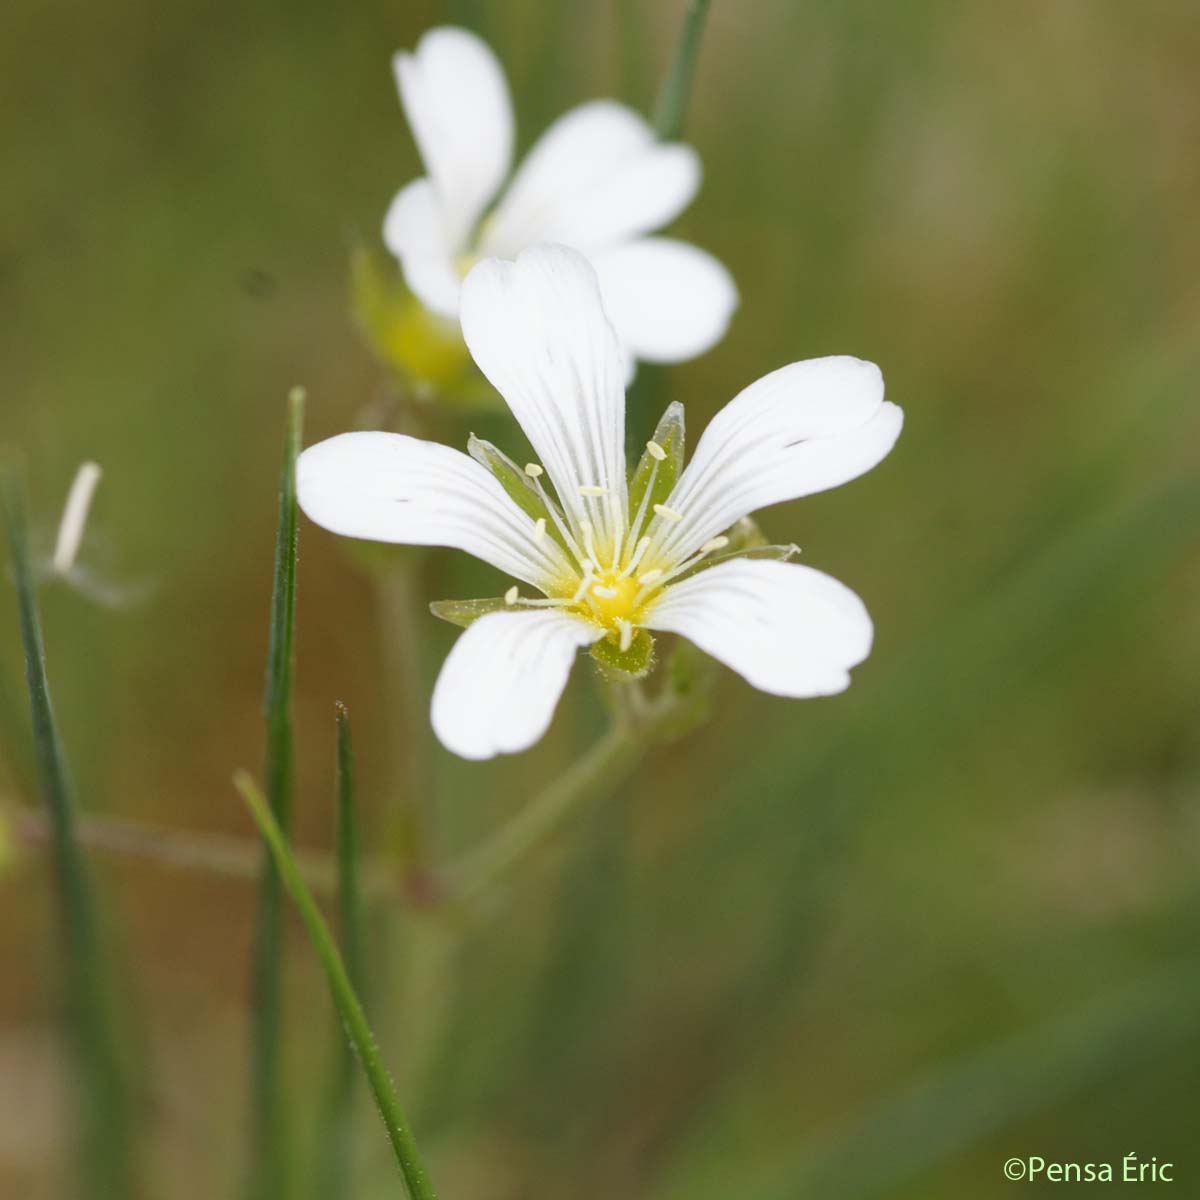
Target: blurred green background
[{"x": 868, "y": 946}]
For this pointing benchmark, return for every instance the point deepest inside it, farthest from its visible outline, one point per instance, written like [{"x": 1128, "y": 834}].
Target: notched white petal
[
  {"x": 669, "y": 301},
  {"x": 785, "y": 628},
  {"x": 388, "y": 487},
  {"x": 804, "y": 428},
  {"x": 414, "y": 230},
  {"x": 498, "y": 688},
  {"x": 456, "y": 98},
  {"x": 536, "y": 328}
]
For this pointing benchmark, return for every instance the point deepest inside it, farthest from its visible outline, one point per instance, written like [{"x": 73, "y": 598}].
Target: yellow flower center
[{"x": 609, "y": 600}]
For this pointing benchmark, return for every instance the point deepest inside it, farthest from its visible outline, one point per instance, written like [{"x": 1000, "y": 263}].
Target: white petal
[
  {"x": 596, "y": 177},
  {"x": 388, "y": 487},
  {"x": 786, "y": 629},
  {"x": 668, "y": 300},
  {"x": 415, "y": 232},
  {"x": 456, "y": 99},
  {"x": 536, "y": 328},
  {"x": 500, "y": 684},
  {"x": 804, "y": 428}
]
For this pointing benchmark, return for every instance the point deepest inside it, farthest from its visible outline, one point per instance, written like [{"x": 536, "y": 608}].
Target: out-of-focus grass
[{"x": 915, "y": 917}]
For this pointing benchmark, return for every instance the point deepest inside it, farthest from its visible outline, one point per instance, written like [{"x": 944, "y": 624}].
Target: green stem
[
  {"x": 606, "y": 764},
  {"x": 345, "y": 999},
  {"x": 672, "y": 104},
  {"x": 107, "y": 1154},
  {"x": 269, "y": 1177},
  {"x": 399, "y": 602}
]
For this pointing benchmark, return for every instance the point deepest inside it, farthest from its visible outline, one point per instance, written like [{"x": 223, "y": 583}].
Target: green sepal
[
  {"x": 668, "y": 434},
  {"x": 512, "y": 478},
  {"x": 691, "y": 677},
  {"x": 634, "y": 663},
  {"x": 464, "y": 612},
  {"x": 775, "y": 553},
  {"x": 746, "y": 540}
]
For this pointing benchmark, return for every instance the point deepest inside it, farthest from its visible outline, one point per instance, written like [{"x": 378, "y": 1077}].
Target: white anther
[
  {"x": 656, "y": 451},
  {"x": 605, "y": 593},
  {"x": 717, "y": 543},
  {"x": 668, "y": 514},
  {"x": 533, "y": 470},
  {"x": 626, "y": 628},
  {"x": 592, "y": 489},
  {"x": 539, "y": 529},
  {"x": 510, "y": 597},
  {"x": 650, "y": 577},
  {"x": 74, "y": 518}
]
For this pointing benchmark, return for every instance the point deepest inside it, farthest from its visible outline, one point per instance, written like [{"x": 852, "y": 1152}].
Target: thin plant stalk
[
  {"x": 345, "y": 998},
  {"x": 270, "y": 1155},
  {"x": 608, "y": 762},
  {"x": 671, "y": 110},
  {"x": 106, "y": 1145},
  {"x": 334, "y": 1165}
]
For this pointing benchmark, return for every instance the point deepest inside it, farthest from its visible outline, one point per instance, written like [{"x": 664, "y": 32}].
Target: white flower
[
  {"x": 610, "y": 558},
  {"x": 597, "y": 180}
]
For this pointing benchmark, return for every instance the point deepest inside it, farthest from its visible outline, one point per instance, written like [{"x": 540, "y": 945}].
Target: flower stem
[
  {"x": 397, "y": 593},
  {"x": 677, "y": 88},
  {"x": 603, "y": 766},
  {"x": 345, "y": 998},
  {"x": 638, "y": 723}
]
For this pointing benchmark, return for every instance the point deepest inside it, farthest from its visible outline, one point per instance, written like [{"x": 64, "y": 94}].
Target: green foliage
[
  {"x": 618, "y": 664},
  {"x": 102, "y": 1100},
  {"x": 659, "y": 475},
  {"x": 465, "y": 612},
  {"x": 334, "y": 1144},
  {"x": 270, "y": 1167},
  {"x": 343, "y": 993}
]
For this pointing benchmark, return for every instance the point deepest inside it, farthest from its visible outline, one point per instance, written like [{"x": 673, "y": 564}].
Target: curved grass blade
[
  {"x": 334, "y": 1148},
  {"x": 106, "y": 1144},
  {"x": 345, "y": 998},
  {"x": 270, "y": 1154},
  {"x": 672, "y": 104}
]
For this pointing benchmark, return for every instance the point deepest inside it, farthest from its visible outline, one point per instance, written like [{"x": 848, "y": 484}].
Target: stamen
[
  {"x": 585, "y": 530},
  {"x": 668, "y": 514},
  {"x": 605, "y": 593},
  {"x": 717, "y": 543},
  {"x": 626, "y": 628},
  {"x": 539, "y": 529},
  {"x": 533, "y": 470},
  {"x": 656, "y": 451},
  {"x": 638, "y": 554},
  {"x": 592, "y": 489},
  {"x": 510, "y": 597},
  {"x": 614, "y": 512},
  {"x": 650, "y": 577},
  {"x": 635, "y": 526},
  {"x": 584, "y": 584},
  {"x": 555, "y": 515}
]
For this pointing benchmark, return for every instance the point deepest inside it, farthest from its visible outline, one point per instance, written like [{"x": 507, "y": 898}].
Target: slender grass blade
[
  {"x": 107, "y": 1165},
  {"x": 334, "y": 1165},
  {"x": 671, "y": 111},
  {"x": 270, "y": 1154},
  {"x": 345, "y": 998}
]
